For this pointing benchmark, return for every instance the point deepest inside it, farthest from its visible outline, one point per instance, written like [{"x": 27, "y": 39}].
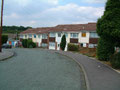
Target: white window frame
[
  {"x": 52, "y": 34},
  {"x": 94, "y": 35},
  {"x": 52, "y": 44},
  {"x": 44, "y": 36},
  {"x": 30, "y": 35},
  {"x": 74, "y": 35}
]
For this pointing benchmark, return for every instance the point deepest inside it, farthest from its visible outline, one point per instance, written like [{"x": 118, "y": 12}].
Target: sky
[{"x": 48, "y": 13}]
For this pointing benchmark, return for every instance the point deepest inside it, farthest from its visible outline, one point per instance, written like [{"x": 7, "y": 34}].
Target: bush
[
  {"x": 31, "y": 44},
  {"x": 24, "y": 43},
  {"x": 104, "y": 50},
  {"x": 73, "y": 47},
  {"x": 4, "y": 38},
  {"x": 63, "y": 43},
  {"x": 28, "y": 43},
  {"x": 115, "y": 60}
]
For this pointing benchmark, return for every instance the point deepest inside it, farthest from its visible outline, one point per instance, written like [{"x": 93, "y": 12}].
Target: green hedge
[
  {"x": 28, "y": 43},
  {"x": 115, "y": 60},
  {"x": 4, "y": 38},
  {"x": 104, "y": 50},
  {"x": 73, "y": 47}
]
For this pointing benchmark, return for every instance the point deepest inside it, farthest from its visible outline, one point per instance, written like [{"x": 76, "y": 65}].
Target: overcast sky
[{"x": 43, "y": 13}]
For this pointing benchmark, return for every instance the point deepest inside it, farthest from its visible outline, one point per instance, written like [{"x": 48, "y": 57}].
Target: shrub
[
  {"x": 73, "y": 47},
  {"x": 31, "y": 44},
  {"x": 28, "y": 43},
  {"x": 4, "y": 38},
  {"x": 115, "y": 60},
  {"x": 24, "y": 43},
  {"x": 104, "y": 50},
  {"x": 63, "y": 43}
]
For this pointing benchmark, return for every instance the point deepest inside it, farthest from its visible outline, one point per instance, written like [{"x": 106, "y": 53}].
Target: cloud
[
  {"x": 39, "y": 13},
  {"x": 70, "y": 13},
  {"x": 94, "y": 1}
]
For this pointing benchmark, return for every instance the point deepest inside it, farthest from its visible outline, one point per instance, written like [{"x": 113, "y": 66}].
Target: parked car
[{"x": 6, "y": 46}]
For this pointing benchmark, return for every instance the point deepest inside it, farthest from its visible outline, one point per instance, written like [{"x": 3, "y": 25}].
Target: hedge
[
  {"x": 4, "y": 38},
  {"x": 104, "y": 50},
  {"x": 73, "y": 47},
  {"x": 28, "y": 43},
  {"x": 115, "y": 60}
]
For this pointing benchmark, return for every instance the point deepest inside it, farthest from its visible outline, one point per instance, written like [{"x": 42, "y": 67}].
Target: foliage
[
  {"x": 115, "y": 60},
  {"x": 73, "y": 47},
  {"x": 28, "y": 43},
  {"x": 4, "y": 38},
  {"x": 108, "y": 26},
  {"x": 24, "y": 43},
  {"x": 14, "y": 29},
  {"x": 31, "y": 44},
  {"x": 104, "y": 50},
  {"x": 63, "y": 42}
]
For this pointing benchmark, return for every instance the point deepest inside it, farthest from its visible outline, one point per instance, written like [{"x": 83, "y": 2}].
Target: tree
[
  {"x": 108, "y": 26},
  {"x": 63, "y": 42},
  {"x": 104, "y": 50},
  {"x": 4, "y": 38}
]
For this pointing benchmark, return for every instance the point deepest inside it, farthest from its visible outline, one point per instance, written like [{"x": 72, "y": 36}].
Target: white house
[{"x": 50, "y": 37}]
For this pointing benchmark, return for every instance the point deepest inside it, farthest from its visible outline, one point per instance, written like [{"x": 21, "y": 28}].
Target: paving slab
[{"x": 100, "y": 76}]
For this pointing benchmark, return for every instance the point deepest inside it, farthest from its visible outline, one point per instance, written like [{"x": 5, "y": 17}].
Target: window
[
  {"x": 25, "y": 36},
  {"x": 59, "y": 34},
  {"x": 52, "y": 34},
  {"x": 83, "y": 34},
  {"x": 66, "y": 34},
  {"x": 74, "y": 35},
  {"x": 34, "y": 35},
  {"x": 38, "y": 36},
  {"x": 92, "y": 45},
  {"x": 21, "y": 36},
  {"x": 44, "y": 45},
  {"x": 93, "y": 35},
  {"x": 30, "y": 35},
  {"x": 51, "y": 44},
  {"x": 44, "y": 36}
]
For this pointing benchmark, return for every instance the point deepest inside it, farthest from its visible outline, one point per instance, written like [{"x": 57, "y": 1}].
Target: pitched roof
[{"x": 69, "y": 27}]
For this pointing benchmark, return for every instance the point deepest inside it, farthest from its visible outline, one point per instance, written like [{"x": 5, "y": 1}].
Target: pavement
[
  {"x": 36, "y": 69},
  {"x": 98, "y": 76},
  {"x": 5, "y": 54}
]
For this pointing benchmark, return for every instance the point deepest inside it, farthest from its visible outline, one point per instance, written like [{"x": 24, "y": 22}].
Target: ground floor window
[
  {"x": 92, "y": 45},
  {"x": 52, "y": 44},
  {"x": 44, "y": 45}
]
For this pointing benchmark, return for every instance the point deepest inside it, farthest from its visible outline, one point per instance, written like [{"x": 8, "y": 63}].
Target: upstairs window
[
  {"x": 30, "y": 35},
  {"x": 83, "y": 34},
  {"x": 94, "y": 35},
  {"x": 44, "y": 36},
  {"x": 74, "y": 35},
  {"x": 34, "y": 35},
  {"x": 66, "y": 34},
  {"x": 38, "y": 36},
  {"x": 21, "y": 36},
  {"x": 25, "y": 36},
  {"x": 59, "y": 34},
  {"x": 52, "y": 34}
]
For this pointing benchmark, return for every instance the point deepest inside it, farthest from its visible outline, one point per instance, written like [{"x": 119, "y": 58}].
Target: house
[{"x": 50, "y": 37}]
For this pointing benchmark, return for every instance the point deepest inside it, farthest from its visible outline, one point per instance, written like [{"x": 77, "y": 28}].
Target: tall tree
[
  {"x": 108, "y": 26},
  {"x": 63, "y": 42}
]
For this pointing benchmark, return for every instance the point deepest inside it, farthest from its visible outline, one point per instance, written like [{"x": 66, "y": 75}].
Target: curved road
[{"x": 36, "y": 69}]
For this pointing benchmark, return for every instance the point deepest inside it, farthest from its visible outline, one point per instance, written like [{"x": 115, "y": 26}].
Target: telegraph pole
[{"x": 1, "y": 25}]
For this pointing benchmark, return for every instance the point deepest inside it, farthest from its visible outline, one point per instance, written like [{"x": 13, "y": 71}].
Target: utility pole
[{"x": 1, "y": 25}]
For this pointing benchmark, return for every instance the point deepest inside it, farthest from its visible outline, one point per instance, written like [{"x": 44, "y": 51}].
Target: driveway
[{"x": 36, "y": 69}]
